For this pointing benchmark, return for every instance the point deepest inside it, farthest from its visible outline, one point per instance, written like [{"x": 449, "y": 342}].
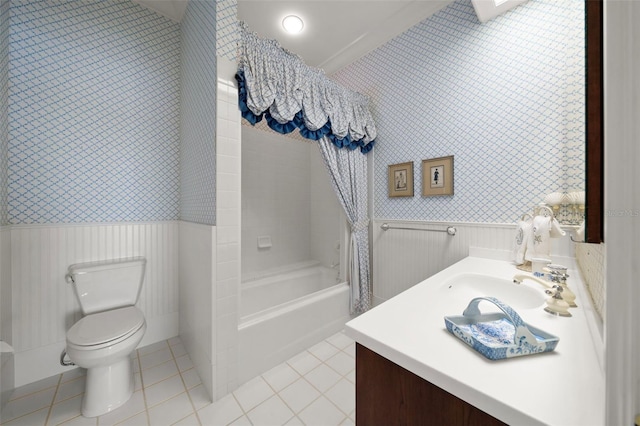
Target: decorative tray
[{"x": 498, "y": 335}]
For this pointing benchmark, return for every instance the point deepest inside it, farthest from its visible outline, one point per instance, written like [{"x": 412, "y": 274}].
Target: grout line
[{"x": 52, "y": 400}]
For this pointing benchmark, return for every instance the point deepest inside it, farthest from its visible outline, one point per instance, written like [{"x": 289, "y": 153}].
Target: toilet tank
[{"x": 107, "y": 284}]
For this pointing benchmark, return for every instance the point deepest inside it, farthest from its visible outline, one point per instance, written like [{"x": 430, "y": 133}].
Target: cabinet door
[{"x": 387, "y": 394}]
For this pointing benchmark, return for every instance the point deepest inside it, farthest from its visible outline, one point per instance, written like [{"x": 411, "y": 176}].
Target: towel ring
[{"x": 525, "y": 216}]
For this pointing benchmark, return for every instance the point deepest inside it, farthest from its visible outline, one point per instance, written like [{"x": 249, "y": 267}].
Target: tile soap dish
[{"x": 498, "y": 335}]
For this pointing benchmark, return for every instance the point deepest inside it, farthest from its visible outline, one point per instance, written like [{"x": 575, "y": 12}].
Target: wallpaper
[
  {"x": 198, "y": 100},
  {"x": 227, "y": 29},
  {"x": 4, "y": 118},
  {"x": 505, "y": 98},
  {"x": 93, "y": 113}
]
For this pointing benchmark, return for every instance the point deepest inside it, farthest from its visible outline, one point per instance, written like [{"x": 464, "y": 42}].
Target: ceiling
[{"x": 336, "y": 32}]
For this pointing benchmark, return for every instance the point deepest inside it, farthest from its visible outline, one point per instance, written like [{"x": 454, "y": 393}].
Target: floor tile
[
  {"x": 351, "y": 376},
  {"x": 199, "y": 397},
  {"x": 304, "y": 362},
  {"x": 323, "y": 350},
  {"x": 271, "y": 412},
  {"x": 70, "y": 389},
  {"x": 27, "y": 404},
  {"x": 350, "y": 350},
  {"x": 322, "y": 377},
  {"x": 191, "y": 420},
  {"x": 347, "y": 422},
  {"x": 221, "y": 412},
  {"x": 81, "y": 421},
  {"x": 299, "y": 395},
  {"x": 152, "y": 348},
  {"x": 174, "y": 340},
  {"x": 242, "y": 421},
  {"x": 184, "y": 363},
  {"x": 131, "y": 408},
  {"x": 340, "y": 340},
  {"x": 281, "y": 376},
  {"x": 295, "y": 421},
  {"x": 190, "y": 378},
  {"x": 37, "y": 418},
  {"x": 65, "y": 410},
  {"x": 159, "y": 373},
  {"x": 343, "y": 395},
  {"x": 341, "y": 363},
  {"x": 253, "y": 393},
  {"x": 73, "y": 374},
  {"x": 178, "y": 350},
  {"x": 169, "y": 412},
  {"x": 155, "y": 358},
  {"x": 321, "y": 412},
  {"x": 137, "y": 420},
  {"x": 40, "y": 385},
  {"x": 164, "y": 390}
]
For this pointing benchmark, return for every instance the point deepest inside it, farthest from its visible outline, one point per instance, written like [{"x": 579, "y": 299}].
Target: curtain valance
[{"x": 277, "y": 85}]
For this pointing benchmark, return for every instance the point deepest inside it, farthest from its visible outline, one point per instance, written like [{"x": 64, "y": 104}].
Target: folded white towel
[
  {"x": 523, "y": 232},
  {"x": 538, "y": 245},
  {"x": 556, "y": 230}
]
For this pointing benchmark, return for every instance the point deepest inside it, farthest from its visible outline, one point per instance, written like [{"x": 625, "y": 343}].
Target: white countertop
[{"x": 563, "y": 387}]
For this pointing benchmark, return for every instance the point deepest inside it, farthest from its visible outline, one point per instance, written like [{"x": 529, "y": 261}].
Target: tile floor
[{"x": 315, "y": 387}]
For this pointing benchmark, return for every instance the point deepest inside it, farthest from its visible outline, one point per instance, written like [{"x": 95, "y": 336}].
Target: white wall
[
  {"x": 197, "y": 257},
  {"x": 275, "y": 199},
  {"x": 45, "y": 305}
]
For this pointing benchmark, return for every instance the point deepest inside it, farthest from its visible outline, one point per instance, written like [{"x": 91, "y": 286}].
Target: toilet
[{"x": 110, "y": 330}]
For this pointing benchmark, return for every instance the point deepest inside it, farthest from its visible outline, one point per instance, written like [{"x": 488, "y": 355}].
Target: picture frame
[
  {"x": 400, "y": 180},
  {"x": 437, "y": 176}
]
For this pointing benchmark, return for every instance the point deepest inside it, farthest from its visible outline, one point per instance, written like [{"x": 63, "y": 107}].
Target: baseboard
[{"x": 39, "y": 363}]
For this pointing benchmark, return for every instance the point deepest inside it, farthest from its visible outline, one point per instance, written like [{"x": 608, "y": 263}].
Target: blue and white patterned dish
[{"x": 498, "y": 335}]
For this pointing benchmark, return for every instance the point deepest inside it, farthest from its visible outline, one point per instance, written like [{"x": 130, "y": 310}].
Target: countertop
[{"x": 563, "y": 387}]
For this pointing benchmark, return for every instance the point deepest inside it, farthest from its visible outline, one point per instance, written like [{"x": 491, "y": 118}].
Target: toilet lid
[{"x": 96, "y": 329}]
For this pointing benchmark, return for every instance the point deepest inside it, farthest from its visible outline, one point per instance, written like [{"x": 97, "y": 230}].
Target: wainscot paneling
[
  {"x": 45, "y": 305},
  {"x": 403, "y": 258}
]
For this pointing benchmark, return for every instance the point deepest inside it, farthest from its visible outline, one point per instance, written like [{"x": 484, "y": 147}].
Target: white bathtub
[{"x": 284, "y": 314}]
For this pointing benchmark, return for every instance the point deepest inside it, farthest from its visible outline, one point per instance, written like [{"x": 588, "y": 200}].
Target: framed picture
[
  {"x": 401, "y": 180},
  {"x": 437, "y": 176}
]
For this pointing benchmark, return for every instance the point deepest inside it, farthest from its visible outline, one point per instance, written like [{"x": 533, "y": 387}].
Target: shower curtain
[{"x": 277, "y": 85}]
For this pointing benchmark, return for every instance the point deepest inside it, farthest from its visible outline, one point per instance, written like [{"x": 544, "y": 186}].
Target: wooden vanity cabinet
[{"x": 387, "y": 395}]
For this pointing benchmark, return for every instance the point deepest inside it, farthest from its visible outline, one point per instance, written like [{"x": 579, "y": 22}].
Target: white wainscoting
[
  {"x": 403, "y": 258},
  {"x": 44, "y": 304},
  {"x": 6, "y": 358}
]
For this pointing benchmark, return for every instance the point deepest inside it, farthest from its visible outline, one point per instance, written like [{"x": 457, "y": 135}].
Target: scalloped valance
[{"x": 276, "y": 84}]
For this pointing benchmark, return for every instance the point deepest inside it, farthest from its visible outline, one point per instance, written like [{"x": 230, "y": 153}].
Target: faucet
[
  {"x": 521, "y": 277},
  {"x": 556, "y": 305}
]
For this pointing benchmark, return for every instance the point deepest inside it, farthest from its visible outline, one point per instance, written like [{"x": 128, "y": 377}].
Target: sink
[{"x": 465, "y": 287}]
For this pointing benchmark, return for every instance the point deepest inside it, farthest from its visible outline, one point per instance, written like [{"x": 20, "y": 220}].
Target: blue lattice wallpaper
[
  {"x": 198, "y": 131},
  {"x": 506, "y": 98},
  {"x": 4, "y": 117},
  {"x": 93, "y": 113},
  {"x": 228, "y": 32}
]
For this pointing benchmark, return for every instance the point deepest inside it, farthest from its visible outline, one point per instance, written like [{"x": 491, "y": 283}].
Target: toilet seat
[{"x": 105, "y": 328}]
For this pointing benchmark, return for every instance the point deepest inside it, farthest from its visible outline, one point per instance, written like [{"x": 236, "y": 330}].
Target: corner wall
[
  {"x": 93, "y": 163},
  {"x": 6, "y": 359}
]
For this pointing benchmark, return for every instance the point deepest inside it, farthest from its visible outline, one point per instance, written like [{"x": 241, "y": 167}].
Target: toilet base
[{"x": 108, "y": 387}]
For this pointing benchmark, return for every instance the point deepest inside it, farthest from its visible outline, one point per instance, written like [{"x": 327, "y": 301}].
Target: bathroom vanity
[{"x": 411, "y": 370}]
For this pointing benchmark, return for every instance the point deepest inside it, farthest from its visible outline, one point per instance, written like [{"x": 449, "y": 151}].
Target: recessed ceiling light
[{"x": 292, "y": 24}]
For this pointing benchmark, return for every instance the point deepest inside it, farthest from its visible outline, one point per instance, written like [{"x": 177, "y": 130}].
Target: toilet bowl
[{"x": 104, "y": 339}]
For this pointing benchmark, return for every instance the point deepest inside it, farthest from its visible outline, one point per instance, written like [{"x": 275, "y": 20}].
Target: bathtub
[{"x": 283, "y": 314}]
